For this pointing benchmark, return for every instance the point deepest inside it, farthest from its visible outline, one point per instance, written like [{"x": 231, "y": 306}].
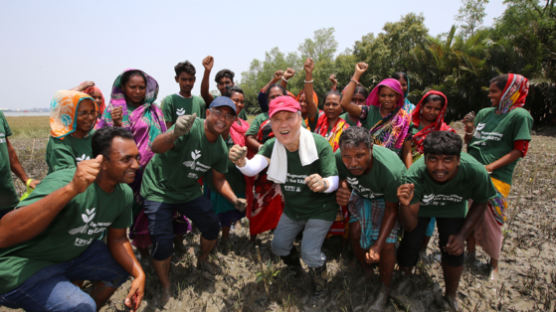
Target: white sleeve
[
  {"x": 333, "y": 182},
  {"x": 255, "y": 165}
]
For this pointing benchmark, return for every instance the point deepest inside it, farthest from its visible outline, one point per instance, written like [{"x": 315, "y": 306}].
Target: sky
[{"x": 53, "y": 45}]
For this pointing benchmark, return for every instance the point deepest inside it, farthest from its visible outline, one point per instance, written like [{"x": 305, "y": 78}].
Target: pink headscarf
[{"x": 391, "y": 83}]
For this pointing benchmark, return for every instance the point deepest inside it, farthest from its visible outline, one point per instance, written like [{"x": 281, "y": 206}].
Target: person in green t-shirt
[
  {"x": 183, "y": 103},
  {"x": 51, "y": 239},
  {"x": 498, "y": 137},
  {"x": 72, "y": 118},
  {"x": 303, "y": 164},
  {"x": 183, "y": 155},
  {"x": 373, "y": 173},
  {"x": 224, "y": 79},
  {"x": 236, "y": 94},
  {"x": 439, "y": 185},
  {"x": 9, "y": 162}
]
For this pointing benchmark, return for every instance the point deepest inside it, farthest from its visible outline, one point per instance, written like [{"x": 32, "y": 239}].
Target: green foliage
[{"x": 459, "y": 63}]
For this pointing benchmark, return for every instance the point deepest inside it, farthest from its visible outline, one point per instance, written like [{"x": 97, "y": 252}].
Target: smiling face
[
  {"x": 186, "y": 82},
  {"x": 387, "y": 98},
  {"x": 441, "y": 168},
  {"x": 358, "y": 99},
  {"x": 122, "y": 163},
  {"x": 223, "y": 84},
  {"x": 86, "y": 117},
  {"x": 135, "y": 90},
  {"x": 286, "y": 126},
  {"x": 332, "y": 107},
  {"x": 430, "y": 110},
  {"x": 220, "y": 119},
  {"x": 239, "y": 100},
  {"x": 494, "y": 94},
  {"x": 357, "y": 159}
]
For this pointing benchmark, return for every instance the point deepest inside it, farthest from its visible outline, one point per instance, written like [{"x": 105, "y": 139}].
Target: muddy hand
[
  {"x": 240, "y": 204},
  {"x": 184, "y": 124}
]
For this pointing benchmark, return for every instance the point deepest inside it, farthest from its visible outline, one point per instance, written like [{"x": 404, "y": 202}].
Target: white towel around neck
[{"x": 277, "y": 171}]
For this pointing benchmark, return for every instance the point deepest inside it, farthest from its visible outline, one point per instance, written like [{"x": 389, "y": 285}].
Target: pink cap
[{"x": 283, "y": 103}]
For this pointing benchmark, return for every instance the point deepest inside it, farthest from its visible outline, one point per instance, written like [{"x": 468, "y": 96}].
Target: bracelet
[
  {"x": 355, "y": 81},
  {"x": 28, "y": 182},
  {"x": 308, "y": 81},
  {"x": 286, "y": 80},
  {"x": 468, "y": 133}
]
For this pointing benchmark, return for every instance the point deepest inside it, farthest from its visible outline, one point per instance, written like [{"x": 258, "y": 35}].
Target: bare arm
[
  {"x": 287, "y": 75},
  {"x": 312, "y": 109},
  {"x": 208, "y": 62},
  {"x": 23, "y": 224},
  {"x": 334, "y": 81},
  {"x": 408, "y": 212},
  {"x": 252, "y": 143},
  {"x": 222, "y": 186},
  {"x": 504, "y": 160},
  {"x": 15, "y": 165},
  {"x": 406, "y": 154},
  {"x": 353, "y": 110},
  {"x": 275, "y": 78},
  {"x": 388, "y": 221},
  {"x": 165, "y": 141},
  {"x": 121, "y": 250}
]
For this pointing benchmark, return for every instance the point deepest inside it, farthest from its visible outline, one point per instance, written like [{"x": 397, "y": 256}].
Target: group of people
[{"x": 370, "y": 167}]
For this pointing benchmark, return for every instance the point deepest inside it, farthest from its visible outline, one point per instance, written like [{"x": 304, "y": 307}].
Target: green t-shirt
[
  {"x": 381, "y": 181},
  {"x": 243, "y": 114},
  {"x": 373, "y": 116},
  {"x": 171, "y": 177},
  {"x": 345, "y": 116},
  {"x": 256, "y": 124},
  {"x": 495, "y": 135},
  {"x": 80, "y": 222},
  {"x": 234, "y": 176},
  {"x": 449, "y": 199},
  {"x": 176, "y": 105},
  {"x": 300, "y": 202},
  {"x": 66, "y": 153},
  {"x": 8, "y": 196}
]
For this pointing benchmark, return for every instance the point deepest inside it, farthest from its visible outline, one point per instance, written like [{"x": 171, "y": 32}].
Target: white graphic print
[
  {"x": 180, "y": 111},
  {"x": 2, "y": 137},
  {"x": 440, "y": 199},
  {"x": 89, "y": 228},
  {"x": 81, "y": 158},
  {"x": 362, "y": 190},
  {"x": 195, "y": 165}
]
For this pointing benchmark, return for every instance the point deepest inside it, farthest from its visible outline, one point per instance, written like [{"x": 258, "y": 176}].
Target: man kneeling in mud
[
  {"x": 373, "y": 173},
  {"x": 439, "y": 185},
  {"x": 52, "y": 238},
  {"x": 303, "y": 164}
]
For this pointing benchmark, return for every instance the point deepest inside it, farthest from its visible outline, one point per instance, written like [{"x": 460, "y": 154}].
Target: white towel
[{"x": 277, "y": 171}]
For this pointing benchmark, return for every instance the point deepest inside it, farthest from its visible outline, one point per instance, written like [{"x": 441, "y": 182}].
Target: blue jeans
[
  {"x": 51, "y": 289},
  {"x": 314, "y": 233},
  {"x": 160, "y": 215}
]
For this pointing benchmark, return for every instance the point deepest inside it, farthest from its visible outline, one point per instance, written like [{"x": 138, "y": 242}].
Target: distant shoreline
[{"x": 25, "y": 113}]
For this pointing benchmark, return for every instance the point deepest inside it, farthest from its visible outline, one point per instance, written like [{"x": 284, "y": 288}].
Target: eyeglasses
[{"x": 219, "y": 113}]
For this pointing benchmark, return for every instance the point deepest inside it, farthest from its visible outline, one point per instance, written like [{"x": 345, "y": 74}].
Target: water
[{"x": 26, "y": 113}]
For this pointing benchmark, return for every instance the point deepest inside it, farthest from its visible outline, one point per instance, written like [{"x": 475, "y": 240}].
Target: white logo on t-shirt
[
  {"x": 180, "y": 111},
  {"x": 81, "y": 158}
]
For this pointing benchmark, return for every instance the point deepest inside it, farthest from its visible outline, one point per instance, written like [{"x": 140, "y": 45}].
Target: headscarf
[
  {"x": 333, "y": 136},
  {"x": 63, "y": 112},
  {"x": 514, "y": 93},
  {"x": 391, "y": 131},
  {"x": 90, "y": 91},
  {"x": 145, "y": 122},
  {"x": 437, "y": 125}
]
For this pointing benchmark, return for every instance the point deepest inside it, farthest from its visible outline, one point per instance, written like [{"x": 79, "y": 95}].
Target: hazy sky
[{"x": 52, "y": 45}]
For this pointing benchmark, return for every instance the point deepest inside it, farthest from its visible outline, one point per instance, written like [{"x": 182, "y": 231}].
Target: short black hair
[
  {"x": 500, "y": 81},
  {"x": 186, "y": 67},
  {"x": 231, "y": 90},
  {"x": 102, "y": 139},
  {"x": 399, "y": 75},
  {"x": 224, "y": 73},
  {"x": 434, "y": 97},
  {"x": 442, "y": 143},
  {"x": 333, "y": 92},
  {"x": 359, "y": 89},
  {"x": 354, "y": 136},
  {"x": 130, "y": 73}
]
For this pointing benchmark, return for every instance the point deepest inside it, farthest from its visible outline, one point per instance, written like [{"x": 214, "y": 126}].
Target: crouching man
[
  {"x": 439, "y": 185},
  {"x": 303, "y": 164},
  {"x": 51, "y": 239}
]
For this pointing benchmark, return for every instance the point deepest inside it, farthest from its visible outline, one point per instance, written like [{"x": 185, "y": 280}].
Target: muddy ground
[{"x": 527, "y": 268}]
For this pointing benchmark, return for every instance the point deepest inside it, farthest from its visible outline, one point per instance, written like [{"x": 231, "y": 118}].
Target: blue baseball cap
[{"x": 223, "y": 101}]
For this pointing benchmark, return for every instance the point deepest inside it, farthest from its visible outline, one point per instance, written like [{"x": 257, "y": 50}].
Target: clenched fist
[
  {"x": 184, "y": 124},
  {"x": 237, "y": 155},
  {"x": 208, "y": 62},
  {"x": 240, "y": 204},
  {"x": 405, "y": 193},
  {"x": 86, "y": 173},
  {"x": 343, "y": 194},
  {"x": 316, "y": 183}
]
